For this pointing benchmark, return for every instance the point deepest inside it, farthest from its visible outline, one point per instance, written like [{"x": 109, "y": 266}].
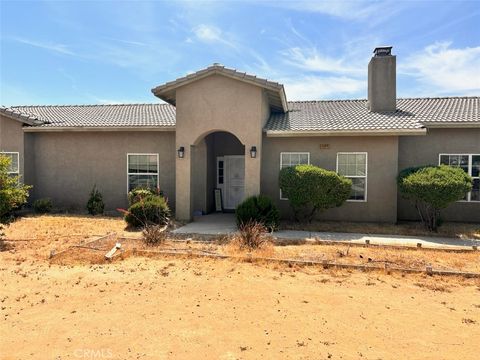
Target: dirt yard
[{"x": 189, "y": 308}]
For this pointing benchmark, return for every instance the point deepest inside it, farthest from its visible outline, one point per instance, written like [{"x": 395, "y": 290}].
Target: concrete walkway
[
  {"x": 212, "y": 224},
  {"x": 224, "y": 224},
  {"x": 426, "y": 241}
]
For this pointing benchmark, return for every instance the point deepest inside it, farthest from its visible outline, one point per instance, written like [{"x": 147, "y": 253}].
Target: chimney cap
[{"x": 383, "y": 51}]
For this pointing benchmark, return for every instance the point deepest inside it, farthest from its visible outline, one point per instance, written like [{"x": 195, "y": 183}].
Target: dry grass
[
  {"x": 402, "y": 258},
  {"x": 48, "y": 232},
  {"x": 39, "y": 235},
  {"x": 454, "y": 230}
]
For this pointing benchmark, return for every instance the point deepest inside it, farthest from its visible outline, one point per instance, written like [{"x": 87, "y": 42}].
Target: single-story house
[{"x": 224, "y": 129}]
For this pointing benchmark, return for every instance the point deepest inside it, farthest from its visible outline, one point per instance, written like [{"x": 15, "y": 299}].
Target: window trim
[
  {"x": 357, "y": 176},
  {"x": 281, "y": 164},
  {"x": 18, "y": 161},
  {"x": 220, "y": 186},
  {"x": 470, "y": 165},
  {"x": 129, "y": 173}
]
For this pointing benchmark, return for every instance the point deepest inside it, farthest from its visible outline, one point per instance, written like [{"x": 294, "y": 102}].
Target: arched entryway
[{"x": 218, "y": 165}]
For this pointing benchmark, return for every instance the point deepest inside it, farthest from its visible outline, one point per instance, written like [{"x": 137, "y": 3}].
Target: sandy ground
[{"x": 185, "y": 308}]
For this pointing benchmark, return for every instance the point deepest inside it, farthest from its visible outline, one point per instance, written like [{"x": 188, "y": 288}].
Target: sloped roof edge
[
  {"x": 22, "y": 116},
  {"x": 166, "y": 91}
]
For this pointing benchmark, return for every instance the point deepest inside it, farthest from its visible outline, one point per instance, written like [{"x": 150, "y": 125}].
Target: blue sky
[{"x": 97, "y": 52}]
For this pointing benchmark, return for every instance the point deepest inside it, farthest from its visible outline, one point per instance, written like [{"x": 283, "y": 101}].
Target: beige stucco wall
[
  {"x": 11, "y": 138},
  {"x": 68, "y": 164},
  {"x": 217, "y": 103},
  {"x": 381, "y": 205},
  {"x": 416, "y": 151}
]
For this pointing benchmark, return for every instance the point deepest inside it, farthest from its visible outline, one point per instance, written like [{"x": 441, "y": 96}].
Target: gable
[{"x": 274, "y": 91}]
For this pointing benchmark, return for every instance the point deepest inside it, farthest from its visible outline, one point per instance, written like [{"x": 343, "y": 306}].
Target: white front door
[{"x": 234, "y": 180}]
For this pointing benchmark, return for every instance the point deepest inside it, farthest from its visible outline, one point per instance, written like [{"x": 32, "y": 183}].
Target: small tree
[
  {"x": 433, "y": 188},
  {"x": 95, "y": 203},
  {"x": 13, "y": 193},
  {"x": 311, "y": 189}
]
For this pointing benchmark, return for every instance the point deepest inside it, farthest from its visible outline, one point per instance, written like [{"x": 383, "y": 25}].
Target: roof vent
[{"x": 383, "y": 51}]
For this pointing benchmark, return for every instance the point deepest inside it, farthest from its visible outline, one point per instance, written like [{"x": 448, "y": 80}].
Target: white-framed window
[
  {"x": 470, "y": 163},
  {"x": 288, "y": 159},
  {"x": 14, "y": 169},
  {"x": 220, "y": 171},
  {"x": 353, "y": 165},
  {"x": 142, "y": 171}
]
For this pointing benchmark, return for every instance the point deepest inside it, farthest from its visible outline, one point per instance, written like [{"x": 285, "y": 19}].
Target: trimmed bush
[
  {"x": 43, "y": 206},
  {"x": 433, "y": 188},
  {"x": 13, "y": 194},
  {"x": 260, "y": 209},
  {"x": 95, "y": 205},
  {"x": 310, "y": 189},
  {"x": 151, "y": 210},
  {"x": 139, "y": 193}
]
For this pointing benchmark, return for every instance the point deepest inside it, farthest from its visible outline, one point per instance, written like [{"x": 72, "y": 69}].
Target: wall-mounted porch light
[
  {"x": 181, "y": 152},
  {"x": 253, "y": 152}
]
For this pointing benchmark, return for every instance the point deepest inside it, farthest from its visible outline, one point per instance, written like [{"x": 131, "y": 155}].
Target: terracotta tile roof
[
  {"x": 23, "y": 116},
  {"x": 352, "y": 115},
  {"x": 127, "y": 115},
  {"x": 335, "y": 115}
]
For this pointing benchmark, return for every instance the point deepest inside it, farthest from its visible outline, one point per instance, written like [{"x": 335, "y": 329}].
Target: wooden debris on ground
[{"x": 112, "y": 252}]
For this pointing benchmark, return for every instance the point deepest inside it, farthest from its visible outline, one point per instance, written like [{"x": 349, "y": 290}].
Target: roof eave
[
  {"x": 451, "y": 124},
  {"x": 308, "y": 133},
  {"x": 97, "y": 128},
  {"x": 23, "y": 119}
]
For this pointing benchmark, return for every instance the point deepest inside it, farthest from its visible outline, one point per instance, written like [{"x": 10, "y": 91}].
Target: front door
[{"x": 234, "y": 180}]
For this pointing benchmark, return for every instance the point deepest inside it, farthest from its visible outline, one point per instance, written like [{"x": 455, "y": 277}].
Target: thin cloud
[
  {"x": 128, "y": 42},
  {"x": 57, "y": 48},
  {"x": 208, "y": 33},
  {"x": 319, "y": 87},
  {"x": 361, "y": 10},
  {"x": 310, "y": 59},
  {"x": 212, "y": 34},
  {"x": 442, "y": 69}
]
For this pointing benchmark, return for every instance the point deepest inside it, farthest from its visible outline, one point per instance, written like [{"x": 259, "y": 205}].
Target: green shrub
[
  {"x": 310, "y": 189},
  {"x": 433, "y": 188},
  {"x": 260, "y": 209},
  {"x": 139, "y": 193},
  {"x": 95, "y": 205},
  {"x": 150, "y": 210},
  {"x": 43, "y": 206},
  {"x": 13, "y": 194}
]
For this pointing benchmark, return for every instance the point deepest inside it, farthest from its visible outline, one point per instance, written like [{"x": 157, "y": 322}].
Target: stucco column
[
  {"x": 183, "y": 197},
  {"x": 252, "y": 170}
]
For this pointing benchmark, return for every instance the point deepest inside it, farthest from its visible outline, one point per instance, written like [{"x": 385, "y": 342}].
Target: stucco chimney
[{"x": 382, "y": 80}]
